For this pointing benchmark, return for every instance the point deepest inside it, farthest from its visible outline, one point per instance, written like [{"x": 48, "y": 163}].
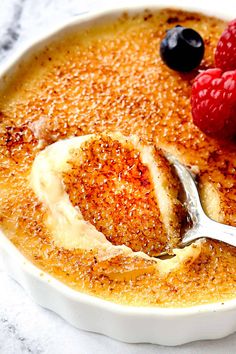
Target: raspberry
[
  {"x": 225, "y": 55},
  {"x": 214, "y": 102}
]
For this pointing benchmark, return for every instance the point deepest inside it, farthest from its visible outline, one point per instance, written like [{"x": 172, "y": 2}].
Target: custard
[
  {"x": 107, "y": 186},
  {"x": 105, "y": 80}
]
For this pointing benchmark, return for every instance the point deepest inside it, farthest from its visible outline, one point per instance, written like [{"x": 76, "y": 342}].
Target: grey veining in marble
[
  {"x": 13, "y": 28},
  {"x": 10, "y": 25},
  {"x": 21, "y": 20},
  {"x": 24, "y": 326}
]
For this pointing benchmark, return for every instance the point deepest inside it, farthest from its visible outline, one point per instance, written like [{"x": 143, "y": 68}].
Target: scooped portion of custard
[{"x": 125, "y": 189}]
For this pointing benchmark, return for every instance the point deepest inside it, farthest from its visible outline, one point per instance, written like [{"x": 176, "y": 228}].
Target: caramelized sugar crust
[
  {"x": 114, "y": 191},
  {"x": 112, "y": 78}
]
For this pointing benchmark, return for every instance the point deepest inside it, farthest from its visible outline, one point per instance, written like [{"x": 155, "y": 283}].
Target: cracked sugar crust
[
  {"x": 115, "y": 191},
  {"x": 111, "y": 78}
]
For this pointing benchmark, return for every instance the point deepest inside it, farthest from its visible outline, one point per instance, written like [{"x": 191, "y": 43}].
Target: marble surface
[{"x": 24, "y": 326}]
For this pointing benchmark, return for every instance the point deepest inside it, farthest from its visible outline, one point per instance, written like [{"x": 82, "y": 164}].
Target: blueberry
[{"x": 182, "y": 49}]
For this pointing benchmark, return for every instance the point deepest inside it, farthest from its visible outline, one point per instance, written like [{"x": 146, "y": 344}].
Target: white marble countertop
[{"x": 24, "y": 326}]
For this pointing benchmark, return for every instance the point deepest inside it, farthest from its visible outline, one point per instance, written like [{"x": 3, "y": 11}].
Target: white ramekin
[{"x": 171, "y": 326}]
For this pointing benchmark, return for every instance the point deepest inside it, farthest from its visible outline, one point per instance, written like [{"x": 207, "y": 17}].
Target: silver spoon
[{"x": 202, "y": 225}]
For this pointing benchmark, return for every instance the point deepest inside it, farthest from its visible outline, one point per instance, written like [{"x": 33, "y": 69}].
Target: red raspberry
[
  {"x": 214, "y": 102},
  {"x": 225, "y": 55}
]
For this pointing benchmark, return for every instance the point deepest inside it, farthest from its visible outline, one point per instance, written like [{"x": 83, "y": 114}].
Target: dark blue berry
[{"x": 182, "y": 49}]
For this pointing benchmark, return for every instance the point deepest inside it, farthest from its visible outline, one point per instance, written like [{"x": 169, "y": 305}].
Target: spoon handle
[
  {"x": 211, "y": 229},
  {"x": 203, "y": 226}
]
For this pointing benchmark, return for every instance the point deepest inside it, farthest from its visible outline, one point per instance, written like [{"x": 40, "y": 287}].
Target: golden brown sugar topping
[
  {"x": 115, "y": 192},
  {"x": 111, "y": 78}
]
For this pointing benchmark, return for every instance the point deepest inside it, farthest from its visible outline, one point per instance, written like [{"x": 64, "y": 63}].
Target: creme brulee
[{"x": 86, "y": 193}]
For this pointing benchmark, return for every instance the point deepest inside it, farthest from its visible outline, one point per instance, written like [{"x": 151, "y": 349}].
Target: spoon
[{"x": 202, "y": 225}]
